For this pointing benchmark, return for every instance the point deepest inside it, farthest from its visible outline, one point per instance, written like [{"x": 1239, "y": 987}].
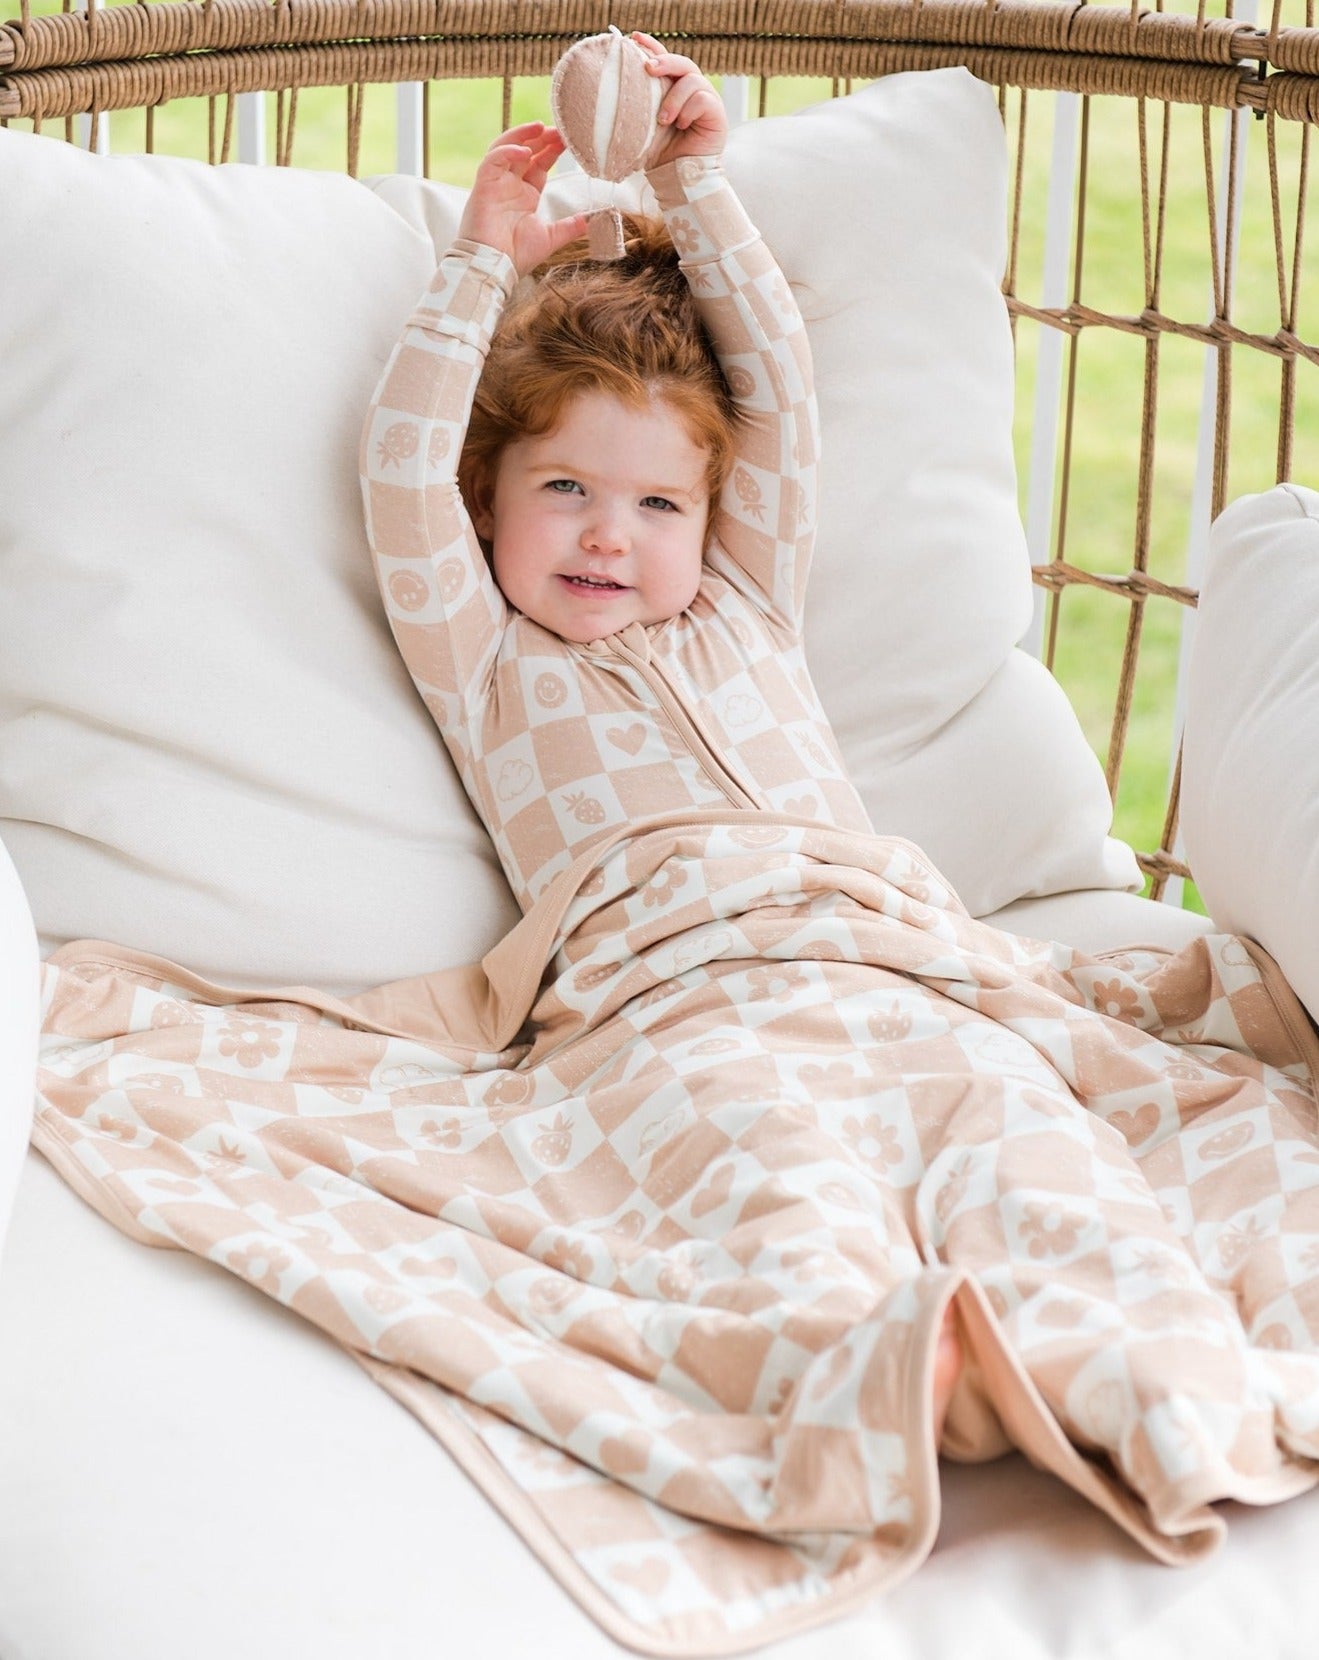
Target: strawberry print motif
[
  {"x": 585, "y": 809},
  {"x": 553, "y": 1145},
  {"x": 398, "y": 443},
  {"x": 749, "y": 493}
]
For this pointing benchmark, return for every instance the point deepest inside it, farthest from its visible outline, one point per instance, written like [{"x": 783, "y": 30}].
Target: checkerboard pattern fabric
[
  {"x": 654, "y": 1216},
  {"x": 559, "y": 743}
]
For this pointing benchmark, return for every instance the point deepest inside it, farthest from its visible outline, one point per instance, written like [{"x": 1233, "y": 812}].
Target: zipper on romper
[{"x": 707, "y": 756}]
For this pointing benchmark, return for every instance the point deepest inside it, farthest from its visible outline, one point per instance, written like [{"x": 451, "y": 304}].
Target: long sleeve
[
  {"x": 765, "y": 531},
  {"x": 443, "y": 605}
]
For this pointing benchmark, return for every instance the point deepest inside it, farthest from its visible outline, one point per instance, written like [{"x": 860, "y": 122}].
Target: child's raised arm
[
  {"x": 501, "y": 211},
  {"x": 766, "y": 524},
  {"x": 446, "y": 612}
]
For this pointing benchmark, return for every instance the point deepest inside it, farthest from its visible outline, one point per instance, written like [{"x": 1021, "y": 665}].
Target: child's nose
[{"x": 606, "y": 533}]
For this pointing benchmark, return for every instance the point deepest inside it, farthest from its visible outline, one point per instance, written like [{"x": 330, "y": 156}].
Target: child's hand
[
  {"x": 501, "y": 210},
  {"x": 692, "y": 118}
]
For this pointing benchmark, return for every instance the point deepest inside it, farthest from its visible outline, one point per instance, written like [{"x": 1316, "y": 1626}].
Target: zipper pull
[{"x": 635, "y": 638}]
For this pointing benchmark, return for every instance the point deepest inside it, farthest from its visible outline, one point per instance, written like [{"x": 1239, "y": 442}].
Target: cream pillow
[
  {"x": 1250, "y": 768},
  {"x": 19, "y": 978},
  {"x": 208, "y": 746}
]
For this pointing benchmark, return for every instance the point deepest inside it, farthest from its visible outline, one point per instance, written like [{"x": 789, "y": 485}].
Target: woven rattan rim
[{"x": 127, "y": 56}]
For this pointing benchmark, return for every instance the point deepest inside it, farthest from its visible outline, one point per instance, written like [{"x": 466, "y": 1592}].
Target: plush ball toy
[{"x": 605, "y": 105}]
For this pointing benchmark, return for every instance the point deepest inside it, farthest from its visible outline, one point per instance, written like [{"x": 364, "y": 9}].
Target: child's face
[{"x": 601, "y": 522}]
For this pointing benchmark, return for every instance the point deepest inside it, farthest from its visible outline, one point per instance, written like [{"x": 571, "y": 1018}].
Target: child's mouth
[{"x": 594, "y": 584}]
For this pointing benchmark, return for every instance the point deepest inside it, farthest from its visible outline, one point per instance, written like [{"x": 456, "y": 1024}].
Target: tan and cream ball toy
[{"x": 605, "y": 105}]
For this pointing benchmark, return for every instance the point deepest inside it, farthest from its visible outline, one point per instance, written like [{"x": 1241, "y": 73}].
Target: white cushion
[
  {"x": 1250, "y": 770},
  {"x": 19, "y": 971},
  {"x": 208, "y": 746}
]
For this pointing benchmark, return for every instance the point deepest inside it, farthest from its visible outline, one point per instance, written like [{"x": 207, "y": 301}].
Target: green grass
[{"x": 1101, "y": 507}]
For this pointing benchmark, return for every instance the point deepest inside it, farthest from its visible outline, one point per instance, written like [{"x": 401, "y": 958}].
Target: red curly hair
[{"x": 628, "y": 328}]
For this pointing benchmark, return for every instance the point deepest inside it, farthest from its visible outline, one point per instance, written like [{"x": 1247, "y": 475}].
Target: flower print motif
[
  {"x": 1049, "y": 1230},
  {"x": 569, "y": 1257},
  {"x": 249, "y": 1042},
  {"x": 1237, "y": 1242},
  {"x": 1275, "y": 1336},
  {"x": 439, "y": 445},
  {"x": 889, "y": 1025},
  {"x": 663, "y": 885},
  {"x": 741, "y": 382},
  {"x": 784, "y": 1390},
  {"x": 172, "y": 1012},
  {"x": 514, "y": 778},
  {"x": 1119, "y": 1002},
  {"x": 776, "y": 983},
  {"x": 398, "y": 443},
  {"x": 407, "y": 590},
  {"x": 261, "y": 1265},
  {"x": 549, "y": 691},
  {"x": 449, "y": 1134},
  {"x": 749, "y": 493},
  {"x": 449, "y": 580},
  {"x": 344, "y": 1092},
  {"x": 684, "y": 235},
  {"x": 554, "y": 1143},
  {"x": 877, "y": 1143},
  {"x": 593, "y": 884},
  {"x": 631, "y": 1225},
  {"x": 742, "y": 709},
  {"x": 741, "y": 633}
]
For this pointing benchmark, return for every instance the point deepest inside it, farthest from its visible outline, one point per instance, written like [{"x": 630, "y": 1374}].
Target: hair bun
[{"x": 605, "y": 104}]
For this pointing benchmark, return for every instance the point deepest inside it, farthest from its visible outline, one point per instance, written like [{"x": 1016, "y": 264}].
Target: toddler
[
  {"x": 641, "y": 467},
  {"x": 592, "y": 513}
]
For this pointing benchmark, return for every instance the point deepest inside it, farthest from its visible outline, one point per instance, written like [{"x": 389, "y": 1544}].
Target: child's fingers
[
  {"x": 522, "y": 134},
  {"x": 563, "y": 231},
  {"x": 688, "y": 102}
]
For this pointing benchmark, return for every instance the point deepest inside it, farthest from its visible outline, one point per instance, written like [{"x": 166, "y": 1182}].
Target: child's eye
[
  {"x": 661, "y": 502},
  {"x": 563, "y": 486}
]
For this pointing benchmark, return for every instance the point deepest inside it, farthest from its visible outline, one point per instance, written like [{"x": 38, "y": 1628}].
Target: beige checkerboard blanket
[{"x": 652, "y": 1216}]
